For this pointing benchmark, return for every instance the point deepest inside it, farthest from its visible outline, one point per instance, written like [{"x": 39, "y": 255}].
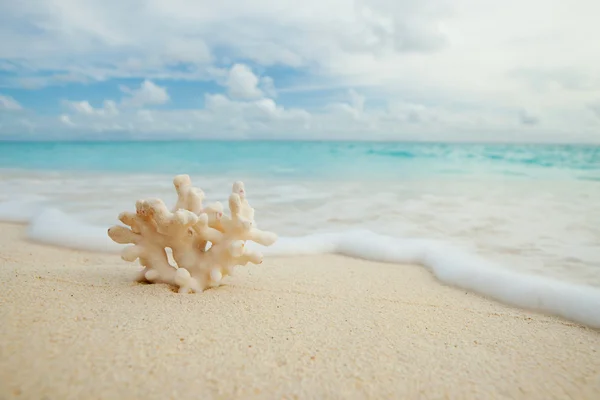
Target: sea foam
[{"x": 448, "y": 263}]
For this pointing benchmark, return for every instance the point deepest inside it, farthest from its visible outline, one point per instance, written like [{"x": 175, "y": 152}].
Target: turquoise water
[{"x": 314, "y": 160}]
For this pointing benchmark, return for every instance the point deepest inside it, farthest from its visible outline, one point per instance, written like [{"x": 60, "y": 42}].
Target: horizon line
[{"x": 292, "y": 140}]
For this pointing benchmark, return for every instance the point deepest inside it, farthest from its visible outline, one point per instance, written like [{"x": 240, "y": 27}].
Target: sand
[{"x": 73, "y": 325}]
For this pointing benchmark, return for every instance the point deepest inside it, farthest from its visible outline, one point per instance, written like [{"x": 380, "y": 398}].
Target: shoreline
[
  {"x": 75, "y": 325},
  {"x": 451, "y": 265}
]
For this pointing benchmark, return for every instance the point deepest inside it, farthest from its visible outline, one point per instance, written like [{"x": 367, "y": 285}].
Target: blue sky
[{"x": 472, "y": 70}]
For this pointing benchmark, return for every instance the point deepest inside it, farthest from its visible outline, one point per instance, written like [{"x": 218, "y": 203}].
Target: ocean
[{"x": 530, "y": 213}]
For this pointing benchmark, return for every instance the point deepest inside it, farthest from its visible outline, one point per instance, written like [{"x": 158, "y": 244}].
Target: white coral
[
  {"x": 245, "y": 210},
  {"x": 187, "y": 229}
]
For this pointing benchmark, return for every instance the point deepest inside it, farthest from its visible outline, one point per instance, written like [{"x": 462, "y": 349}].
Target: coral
[
  {"x": 188, "y": 197},
  {"x": 245, "y": 210},
  {"x": 206, "y": 243}
]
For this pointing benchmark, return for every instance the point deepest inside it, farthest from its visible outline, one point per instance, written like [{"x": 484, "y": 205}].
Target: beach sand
[{"x": 73, "y": 325}]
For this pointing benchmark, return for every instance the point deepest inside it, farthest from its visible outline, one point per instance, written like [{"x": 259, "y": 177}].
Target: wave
[
  {"x": 20, "y": 210},
  {"x": 392, "y": 153},
  {"x": 449, "y": 264},
  {"x": 54, "y": 227}
]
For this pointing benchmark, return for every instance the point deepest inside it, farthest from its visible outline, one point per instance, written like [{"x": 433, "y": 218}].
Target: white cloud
[
  {"x": 9, "y": 104},
  {"x": 145, "y": 116},
  {"x": 527, "y": 118},
  {"x": 595, "y": 108},
  {"x": 353, "y": 107},
  {"x": 242, "y": 83},
  {"x": 66, "y": 120},
  {"x": 109, "y": 108},
  {"x": 455, "y": 67},
  {"x": 268, "y": 86},
  {"x": 263, "y": 110},
  {"x": 141, "y": 39},
  {"x": 246, "y": 112},
  {"x": 148, "y": 94},
  {"x": 352, "y": 117}
]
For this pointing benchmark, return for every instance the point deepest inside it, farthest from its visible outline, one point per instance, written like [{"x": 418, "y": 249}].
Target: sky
[{"x": 418, "y": 70}]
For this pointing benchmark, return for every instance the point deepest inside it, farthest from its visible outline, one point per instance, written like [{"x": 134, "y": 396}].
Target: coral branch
[
  {"x": 188, "y": 229},
  {"x": 147, "y": 245},
  {"x": 244, "y": 208},
  {"x": 188, "y": 197},
  {"x": 205, "y": 233}
]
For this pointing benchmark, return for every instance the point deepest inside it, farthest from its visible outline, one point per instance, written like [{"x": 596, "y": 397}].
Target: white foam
[
  {"x": 449, "y": 264},
  {"x": 20, "y": 210},
  {"x": 453, "y": 266},
  {"x": 52, "y": 226}
]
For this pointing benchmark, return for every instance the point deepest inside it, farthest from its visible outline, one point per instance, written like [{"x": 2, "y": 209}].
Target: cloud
[
  {"x": 66, "y": 120},
  {"x": 595, "y": 108},
  {"x": 260, "y": 113},
  {"x": 145, "y": 39},
  {"x": 351, "y": 116},
  {"x": 353, "y": 107},
  {"x": 382, "y": 68},
  {"x": 242, "y": 83},
  {"x": 109, "y": 108},
  {"x": 528, "y": 119},
  {"x": 148, "y": 94},
  {"x": 268, "y": 86},
  {"x": 245, "y": 111},
  {"x": 9, "y": 104},
  {"x": 544, "y": 79}
]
